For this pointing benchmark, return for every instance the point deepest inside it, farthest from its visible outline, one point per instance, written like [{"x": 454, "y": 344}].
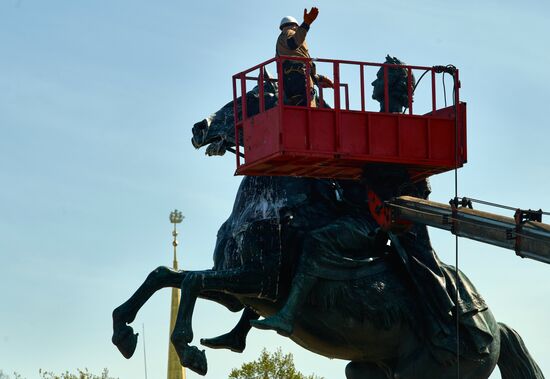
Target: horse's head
[
  {"x": 217, "y": 131},
  {"x": 397, "y": 86}
]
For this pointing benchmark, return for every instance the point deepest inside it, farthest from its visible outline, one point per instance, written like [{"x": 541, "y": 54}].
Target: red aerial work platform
[{"x": 340, "y": 142}]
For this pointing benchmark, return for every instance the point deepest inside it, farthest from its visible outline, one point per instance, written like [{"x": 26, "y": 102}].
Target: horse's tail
[{"x": 515, "y": 362}]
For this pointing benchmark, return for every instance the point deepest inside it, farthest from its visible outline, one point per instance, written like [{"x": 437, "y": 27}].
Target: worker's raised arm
[{"x": 295, "y": 38}]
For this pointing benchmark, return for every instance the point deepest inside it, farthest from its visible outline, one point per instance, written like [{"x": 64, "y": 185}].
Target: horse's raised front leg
[
  {"x": 235, "y": 340},
  {"x": 230, "y": 281},
  {"x": 123, "y": 335}
]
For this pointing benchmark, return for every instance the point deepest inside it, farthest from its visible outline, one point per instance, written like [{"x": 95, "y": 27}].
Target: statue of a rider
[{"x": 334, "y": 251}]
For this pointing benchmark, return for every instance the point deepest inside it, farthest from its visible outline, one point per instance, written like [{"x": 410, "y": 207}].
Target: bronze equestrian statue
[{"x": 383, "y": 302}]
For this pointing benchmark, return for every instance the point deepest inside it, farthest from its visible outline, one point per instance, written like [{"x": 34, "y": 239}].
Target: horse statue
[{"x": 370, "y": 303}]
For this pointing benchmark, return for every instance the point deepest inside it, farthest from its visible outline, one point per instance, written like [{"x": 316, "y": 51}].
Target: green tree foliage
[
  {"x": 3, "y": 375},
  {"x": 80, "y": 374},
  {"x": 270, "y": 366}
]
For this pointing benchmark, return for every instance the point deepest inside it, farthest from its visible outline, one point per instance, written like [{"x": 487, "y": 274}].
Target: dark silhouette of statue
[
  {"x": 384, "y": 302},
  {"x": 397, "y": 84}
]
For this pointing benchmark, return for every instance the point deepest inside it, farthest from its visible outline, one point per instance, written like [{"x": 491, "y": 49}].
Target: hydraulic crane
[{"x": 524, "y": 233}]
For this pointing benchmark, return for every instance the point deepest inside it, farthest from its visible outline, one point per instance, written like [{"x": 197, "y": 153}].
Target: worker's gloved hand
[
  {"x": 324, "y": 82},
  {"x": 311, "y": 16}
]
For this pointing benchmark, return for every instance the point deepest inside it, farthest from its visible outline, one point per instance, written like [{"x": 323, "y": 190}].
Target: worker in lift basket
[{"x": 292, "y": 42}]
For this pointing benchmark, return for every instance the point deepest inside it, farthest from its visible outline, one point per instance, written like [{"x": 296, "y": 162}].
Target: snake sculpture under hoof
[{"x": 387, "y": 308}]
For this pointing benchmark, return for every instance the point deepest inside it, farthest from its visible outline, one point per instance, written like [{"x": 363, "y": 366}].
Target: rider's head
[{"x": 288, "y": 21}]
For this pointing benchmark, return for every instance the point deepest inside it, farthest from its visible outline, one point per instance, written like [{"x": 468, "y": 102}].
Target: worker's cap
[{"x": 287, "y": 20}]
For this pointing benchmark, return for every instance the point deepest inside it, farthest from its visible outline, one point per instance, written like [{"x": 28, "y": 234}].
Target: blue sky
[{"x": 97, "y": 102}]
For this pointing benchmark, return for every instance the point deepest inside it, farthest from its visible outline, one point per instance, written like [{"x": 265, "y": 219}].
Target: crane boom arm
[{"x": 529, "y": 239}]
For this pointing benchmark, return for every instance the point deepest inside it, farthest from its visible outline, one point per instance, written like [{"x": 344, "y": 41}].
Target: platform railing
[{"x": 239, "y": 91}]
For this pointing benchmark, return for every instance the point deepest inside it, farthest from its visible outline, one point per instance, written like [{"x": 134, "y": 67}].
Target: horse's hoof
[
  {"x": 193, "y": 359},
  {"x": 227, "y": 341},
  {"x": 125, "y": 340},
  {"x": 276, "y": 323}
]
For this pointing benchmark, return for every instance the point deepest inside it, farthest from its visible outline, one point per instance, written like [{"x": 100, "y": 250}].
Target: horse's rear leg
[
  {"x": 235, "y": 340},
  {"x": 195, "y": 283},
  {"x": 123, "y": 335}
]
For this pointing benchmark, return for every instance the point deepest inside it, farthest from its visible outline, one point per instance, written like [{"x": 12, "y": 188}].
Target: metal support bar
[
  {"x": 336, "y": 76},
  {"x": 433, "y": 92},
  {"x": 409, "y": 90},
  {"x": 261, "y": 89},
  {"x": 236, "y": 122},
  {"x": 386, "y": 90},
  {"x": 362, "y": 85},
  {"x": 308, "y": 84},
  {"x": 346, "y": 92},
  {"x": 243, "y": 99}
]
